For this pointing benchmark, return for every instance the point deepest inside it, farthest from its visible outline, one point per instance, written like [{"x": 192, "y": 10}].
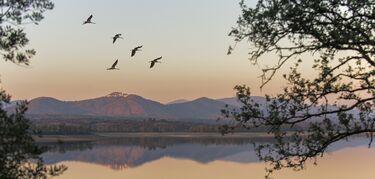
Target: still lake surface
[{"x": 197, "y": 157}]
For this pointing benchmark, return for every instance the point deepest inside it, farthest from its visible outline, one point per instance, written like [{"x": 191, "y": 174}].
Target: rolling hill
[{"x": 128, "y": 105}]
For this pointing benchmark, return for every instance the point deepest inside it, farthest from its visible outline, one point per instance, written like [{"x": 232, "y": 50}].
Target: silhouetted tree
[
  {"x": 13, "y": 15},
  {"x": 337, "y": 102},
  {"x": 19, "y": 155}
]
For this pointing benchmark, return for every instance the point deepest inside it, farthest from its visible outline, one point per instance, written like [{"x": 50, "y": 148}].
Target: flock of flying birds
[{"x": 133, "y": 51}]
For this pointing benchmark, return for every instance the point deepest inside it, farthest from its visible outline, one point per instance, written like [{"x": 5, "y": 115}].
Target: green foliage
[
  {"x": 19, "y": 155},
  {"x": 336, "y": 103},
  {"x": 14, "y": 14}
]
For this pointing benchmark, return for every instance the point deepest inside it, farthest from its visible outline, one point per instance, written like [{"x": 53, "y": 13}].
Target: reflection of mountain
[
  {"x": 131, "y": 156},
  {"x": 133, "y": 152}
]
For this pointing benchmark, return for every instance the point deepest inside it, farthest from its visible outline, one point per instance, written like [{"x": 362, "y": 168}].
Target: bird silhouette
[
  {"x": 113, "y": 67},
  {"x": 117, "y": 36},
  {"x": 155, "y": 61},
  {"x": 134, "y": 50},
  {"x": 88, "y": 20}
]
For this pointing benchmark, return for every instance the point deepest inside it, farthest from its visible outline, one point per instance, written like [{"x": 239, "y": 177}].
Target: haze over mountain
[
  {"x": 205, "y": 107},
  {"x": 119, "y": 104},
  {"x": 178, "y": 101},
  {"x": 129, "y": 105},
  {"x": 230, "y": 101}
]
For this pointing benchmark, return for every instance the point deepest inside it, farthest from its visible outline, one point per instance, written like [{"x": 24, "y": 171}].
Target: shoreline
[
  {"x": 103, "y": 136},
  {"x": 97, "y": 136},
  {"x": 186, "y": 134}
]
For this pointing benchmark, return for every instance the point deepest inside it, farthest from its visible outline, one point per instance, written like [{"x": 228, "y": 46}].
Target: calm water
[{"x": 187, "y": 158}]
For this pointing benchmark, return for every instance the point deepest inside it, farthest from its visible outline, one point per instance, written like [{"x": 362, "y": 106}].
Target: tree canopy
[
  {"x": 19, "y": 154},
  {"x": 14, "y": 14},
  {"x": 337, "y": 103}
]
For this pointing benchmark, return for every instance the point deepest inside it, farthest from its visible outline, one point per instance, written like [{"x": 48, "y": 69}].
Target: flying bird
[
  {"x": 88, "y": 21},
  {"x": 117, "y": 36},
  {"x": 134, "y": 50},
  {"x": 113, "y": 67},
  {"x": 155, "y": 61}
]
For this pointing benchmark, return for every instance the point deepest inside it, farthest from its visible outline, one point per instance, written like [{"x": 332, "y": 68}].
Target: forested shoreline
[{"x": 80, "y": 125}]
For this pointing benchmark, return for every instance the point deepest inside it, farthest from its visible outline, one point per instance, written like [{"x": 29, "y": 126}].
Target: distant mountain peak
[
  {"x": 119, "y": 104},
  {"x": 203, "y": 99},
  {"x": 178, "y": 101},
  {"x": 118, "y": 94}
]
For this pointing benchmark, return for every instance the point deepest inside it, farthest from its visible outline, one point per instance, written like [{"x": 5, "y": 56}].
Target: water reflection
[
  {"x": 186, "y": 158},
  {"x": 122, "y": 153},
  {"x": 131, "y": 152}
]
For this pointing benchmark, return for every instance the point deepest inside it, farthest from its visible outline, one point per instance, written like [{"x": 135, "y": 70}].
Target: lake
[{"x": 187, "y": 157}]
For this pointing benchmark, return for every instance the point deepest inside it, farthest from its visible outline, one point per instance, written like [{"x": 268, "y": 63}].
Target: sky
[{"x": 191, "y": 36}]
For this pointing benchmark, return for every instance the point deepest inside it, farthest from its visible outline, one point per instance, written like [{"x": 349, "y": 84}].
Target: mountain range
[{"x": 119, "y": 104}]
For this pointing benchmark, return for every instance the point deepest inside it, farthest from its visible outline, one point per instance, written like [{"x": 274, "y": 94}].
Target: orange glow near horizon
[{"x": 191, "y": 36}]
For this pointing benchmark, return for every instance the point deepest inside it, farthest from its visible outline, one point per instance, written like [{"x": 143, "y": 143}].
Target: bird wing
[
  {"x": 133, "y": 52},
  {"x": 152, "y": 64},
  {"x": 89, "y": 19},
  {"x": 139, "y": 47},
  {"x": 114, "y": 64},
  {"x": 158, "y": 59},
  {"x": 114, "y": 39}
]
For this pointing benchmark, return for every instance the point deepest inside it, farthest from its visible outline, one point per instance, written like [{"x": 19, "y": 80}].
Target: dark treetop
[
  {"x": 339, "y": 35},
  {"x": 19, "y": 155}
]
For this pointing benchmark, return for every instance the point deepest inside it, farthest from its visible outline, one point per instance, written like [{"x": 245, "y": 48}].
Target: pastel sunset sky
[{"x": 191, "y": 36}]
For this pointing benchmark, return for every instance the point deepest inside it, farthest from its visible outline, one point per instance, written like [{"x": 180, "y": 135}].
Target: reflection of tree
[
  {"x": 62, "y": 147},
  {"x": 119, "y": 154},
  {"x": 150, "y": 143},
  {"x": 118, "y": 166}
]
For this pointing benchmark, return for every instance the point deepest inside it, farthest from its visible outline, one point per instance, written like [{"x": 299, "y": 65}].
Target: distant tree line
[{"x": 81, "y": 125}]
